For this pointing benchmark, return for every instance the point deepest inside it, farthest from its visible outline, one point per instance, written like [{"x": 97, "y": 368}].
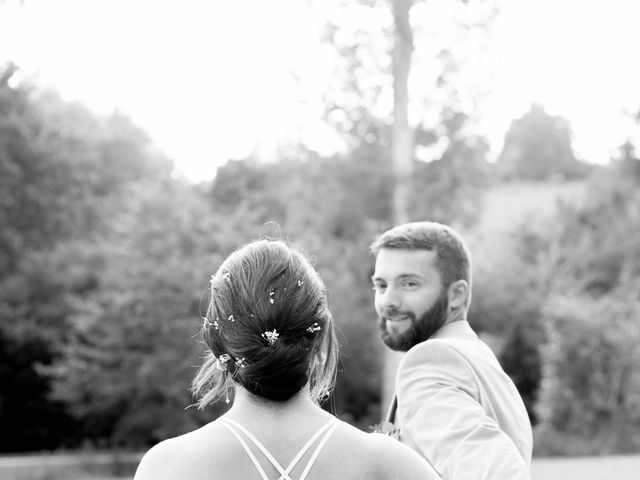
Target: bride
[{"x": 273, "y": 349}]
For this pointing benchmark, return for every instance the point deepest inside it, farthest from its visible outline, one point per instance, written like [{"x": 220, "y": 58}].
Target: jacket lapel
[{"x": 391, "y": 413}]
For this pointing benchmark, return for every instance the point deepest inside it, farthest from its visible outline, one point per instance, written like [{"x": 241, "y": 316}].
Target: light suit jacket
[{"x": 460, "y": 410}]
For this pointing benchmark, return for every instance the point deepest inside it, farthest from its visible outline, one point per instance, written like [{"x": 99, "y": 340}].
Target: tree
[
  {"x": 537, "y": 147},
  {"x": 107, "y": 272},
  {"x": 508, "y": 300},
  {"x": 63, "y": 171},
  {"x": 402, "y": 135},
  {"x": 384, "y": 124},
  {"x": 590, "y": 361},
  {"x": 449, "y": 188},
  {"x": 589, "y": 396},
  {"x": 60, "y": 167},
  {"x": 402, "y": 150},
  {"x": 130, "y": 357}
]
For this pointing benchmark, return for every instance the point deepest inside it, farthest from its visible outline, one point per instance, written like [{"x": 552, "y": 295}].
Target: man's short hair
[{"x": 453, "y": 259}]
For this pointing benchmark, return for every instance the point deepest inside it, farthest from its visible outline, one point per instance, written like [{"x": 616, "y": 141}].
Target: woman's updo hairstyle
[{"x": 268, "y": 326}]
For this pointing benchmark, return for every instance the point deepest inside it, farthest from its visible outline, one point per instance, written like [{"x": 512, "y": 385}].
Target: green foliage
[
  {"x": 559, "y": 304},
  {"x": 27, "y": 416},
  {"x": 538, "y": 147},
  {"x": 460, "y": 175},
  {"x": 591, "y": 386},
  {"x": 507, "y": 309},
  {"x": 590, "y": 370},
  {"x": 596, "y": 250},
  {"x": 105, "y": 259},
  {"x": 63, "y": 172},
  {"x": 60, "y": 168},
  {"x": 129, "y": 359}
]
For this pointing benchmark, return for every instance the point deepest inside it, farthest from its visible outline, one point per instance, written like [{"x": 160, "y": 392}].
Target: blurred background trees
[
  {"x": 537, "y": 147},
  {"x": 591, "y": 369},
  {"x": 105, "y": 255},
  {"x": 63, "y": 175}
]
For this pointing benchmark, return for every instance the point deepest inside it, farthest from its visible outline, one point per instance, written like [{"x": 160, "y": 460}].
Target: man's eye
[
  {"x": 410, "y": 284},
  {"x": 379, "y": 288}
]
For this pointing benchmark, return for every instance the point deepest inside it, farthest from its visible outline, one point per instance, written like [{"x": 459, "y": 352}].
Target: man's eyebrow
[
  {"x": 409, "y": 275},
  {"x": 402, "y": 276}
]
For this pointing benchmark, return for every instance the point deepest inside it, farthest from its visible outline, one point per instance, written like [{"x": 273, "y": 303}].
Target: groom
[{"x": 454, "y": 403}]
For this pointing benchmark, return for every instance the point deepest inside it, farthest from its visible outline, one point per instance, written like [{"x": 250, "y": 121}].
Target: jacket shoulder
[
  {"x": 436, "y": 362},
  {"x": 434, "y": 349}
]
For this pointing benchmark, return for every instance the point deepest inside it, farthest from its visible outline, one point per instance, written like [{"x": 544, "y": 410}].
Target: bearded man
[{"x": 454, "y": 403}]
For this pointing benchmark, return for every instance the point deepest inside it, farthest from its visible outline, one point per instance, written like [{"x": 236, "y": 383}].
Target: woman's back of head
[{"x": 268, "y": 326}]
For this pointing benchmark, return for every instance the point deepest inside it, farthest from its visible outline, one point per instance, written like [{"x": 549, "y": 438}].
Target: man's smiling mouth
[{"x": 398, "y": 318}]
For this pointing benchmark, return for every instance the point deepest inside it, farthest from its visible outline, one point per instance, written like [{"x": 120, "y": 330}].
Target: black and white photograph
[{"x": 319, "y": 239}]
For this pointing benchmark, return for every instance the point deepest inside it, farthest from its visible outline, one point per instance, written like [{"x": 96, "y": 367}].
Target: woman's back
[{"x": 334, "y": 450}]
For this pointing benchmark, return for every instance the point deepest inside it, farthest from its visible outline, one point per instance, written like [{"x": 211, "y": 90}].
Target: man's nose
[{"x": 390, "y": 299}]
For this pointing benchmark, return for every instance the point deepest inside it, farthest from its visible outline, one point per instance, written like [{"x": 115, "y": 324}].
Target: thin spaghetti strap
[
  {"x": 246, "y": 449},
  {"x": 284, "y": 473},
  {"x": 316, "y": 452},
  {"x": 307, "y": 445},
  {"x": 262, "y": 448}
]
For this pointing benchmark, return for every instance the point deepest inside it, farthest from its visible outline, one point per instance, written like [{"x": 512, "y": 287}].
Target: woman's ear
[{"x": 458, "y": 294}]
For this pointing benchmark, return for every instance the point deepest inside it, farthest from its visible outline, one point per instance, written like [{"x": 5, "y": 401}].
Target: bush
[{"x": 591, "y": 374}]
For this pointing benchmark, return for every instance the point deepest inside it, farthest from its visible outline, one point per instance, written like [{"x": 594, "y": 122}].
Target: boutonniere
[{"x": 387, "y": 428}]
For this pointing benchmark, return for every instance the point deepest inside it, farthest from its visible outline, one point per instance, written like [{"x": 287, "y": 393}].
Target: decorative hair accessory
[
  {"x": 206, "y": 323},
  {"x": 241, "y": 362},
  {"x": 300, "y": 283},
  {"x": 271, "y": 294},
  {"x": 226, "y": 276},
  {"x": 314, "y": 328},
  {"x": 231, "y": 319},
  {"x": 222, "y": 360},
  {"x": 271, "y": 336}
]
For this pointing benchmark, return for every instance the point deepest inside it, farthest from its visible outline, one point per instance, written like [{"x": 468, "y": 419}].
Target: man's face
[{"x": 409, "y": 298}]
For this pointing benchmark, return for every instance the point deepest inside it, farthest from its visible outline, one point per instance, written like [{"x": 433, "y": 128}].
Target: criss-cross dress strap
[
  {"x": 316, "y": 452},
  {"x": 246, "y": 449},
  {"x": 284, "y": 473}
]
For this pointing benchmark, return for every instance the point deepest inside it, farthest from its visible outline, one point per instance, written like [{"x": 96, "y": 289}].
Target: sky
[{"x": 211, "y": 80}]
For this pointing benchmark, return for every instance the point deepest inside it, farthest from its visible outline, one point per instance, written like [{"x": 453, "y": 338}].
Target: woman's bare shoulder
[
  {"x": 172, "y": 458},
  {"x": 389, "y": 458},
  {"x": 158, "y": 462}
]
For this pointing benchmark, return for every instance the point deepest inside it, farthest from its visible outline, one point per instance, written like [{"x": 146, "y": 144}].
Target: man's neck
[{"x": 456, "y": 315}]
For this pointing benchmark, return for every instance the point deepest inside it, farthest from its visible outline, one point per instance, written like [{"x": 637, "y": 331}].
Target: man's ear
[{"x": 458, "y": 294}]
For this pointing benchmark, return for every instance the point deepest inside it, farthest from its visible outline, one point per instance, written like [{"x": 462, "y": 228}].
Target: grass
[
  {"x": 557, "y": 468},
  {"x": 69, "y": 466},
  {"x": 586, "y": 468}
]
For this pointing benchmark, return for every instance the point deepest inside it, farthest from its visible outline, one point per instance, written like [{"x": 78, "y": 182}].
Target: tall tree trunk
[
  {"x": 402, "y": 152},
  {"x": 402, "y": 135}
]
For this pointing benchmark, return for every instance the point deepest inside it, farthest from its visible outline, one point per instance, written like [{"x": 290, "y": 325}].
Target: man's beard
[{"x": 421, "y": 329}]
